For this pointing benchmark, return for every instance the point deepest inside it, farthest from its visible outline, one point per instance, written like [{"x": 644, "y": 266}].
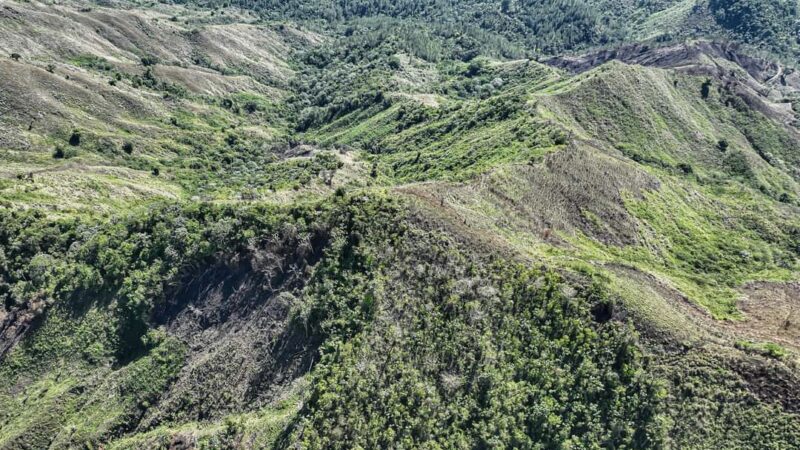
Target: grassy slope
[
  {"x": 193, "y": 95},
  {"x": 708, "y": 219}
]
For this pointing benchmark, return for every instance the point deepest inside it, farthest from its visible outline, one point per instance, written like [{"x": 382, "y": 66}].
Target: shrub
[
  {"x": 149, "y": 61},
  {"x": 251, "y": 107},
  {"x": 768, "y": 349},
  {"x": 64, "y": 153},
  {"x": 705, "y": 89},
  {"x": 127, "y": 147},
  {"x": 75, "y": 138}
]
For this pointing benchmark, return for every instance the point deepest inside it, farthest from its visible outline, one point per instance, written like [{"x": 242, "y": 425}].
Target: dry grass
[
  {"x": 76, "y": 186},
  {"x": 772, "y": 313},
  {"x": 577, "y": 189}
]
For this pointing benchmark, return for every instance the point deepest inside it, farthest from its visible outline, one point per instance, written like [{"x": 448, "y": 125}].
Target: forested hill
[
  {"x": 421, "y": 224},
  {"x": 514, "y": 28}
]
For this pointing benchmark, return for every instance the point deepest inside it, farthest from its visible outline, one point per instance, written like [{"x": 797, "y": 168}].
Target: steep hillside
[
  {"x": 118, "y": 94},
  {"x": 523, "y": 27},
  {"x": 364, "y": 225}
]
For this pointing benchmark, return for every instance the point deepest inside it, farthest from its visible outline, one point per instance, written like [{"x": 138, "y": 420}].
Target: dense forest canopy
[{"x": 547, "y": 27}]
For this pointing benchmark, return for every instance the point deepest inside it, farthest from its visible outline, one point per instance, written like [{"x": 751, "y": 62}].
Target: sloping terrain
[
  {"x": 300, "y": 225},
  {"x": 123, "y": 92}
]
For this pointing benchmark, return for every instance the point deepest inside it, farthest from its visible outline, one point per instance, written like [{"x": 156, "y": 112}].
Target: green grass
[
  {"x": 260, "y": 428},
  {"x": 71, "y": 395},
  {"x": 769, "y": 349}
]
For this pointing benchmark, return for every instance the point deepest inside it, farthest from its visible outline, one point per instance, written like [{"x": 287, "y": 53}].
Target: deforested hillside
[
  {"x": 119, "y": 93},
  {"x": 415, "y": 224}
]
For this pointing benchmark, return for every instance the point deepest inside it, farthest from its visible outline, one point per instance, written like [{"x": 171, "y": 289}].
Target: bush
[
  {"x": 62, "y": 153},
  {"x": 686, "y": 168},
  {"x": 149, "y": 61},
  {"x": 75, "y": 138},
  {"x": 705, "y": 89},
  {"x": 251, "y": 107}
]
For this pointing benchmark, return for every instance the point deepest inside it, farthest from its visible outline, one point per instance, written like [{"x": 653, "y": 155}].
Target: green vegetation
[
  {"x": 514, "y": 28},
  {"x": 770, "y": 23},
  {"x": 347, "y": 302},
  {"x": 384, "y": 224},
  {"x": 764, "y": 348}
]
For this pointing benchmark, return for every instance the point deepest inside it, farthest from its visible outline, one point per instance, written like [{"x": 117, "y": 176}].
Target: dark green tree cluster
[
  {"x": 427, "y": 347},
  {"x": 126, "y": 263},
  {"x": 772, "y": 23},
  {"x": 540, "y": 25}
]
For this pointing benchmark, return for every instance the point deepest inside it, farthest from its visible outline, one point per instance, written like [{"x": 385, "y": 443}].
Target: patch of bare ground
[
  {"x": 255, "y": 50},
  {"x": 46, "y": 85},
  {"x": 120, "y": 35},
  {"x": 243, "y": 350},
  {"x": 16, "y": 321},
  {"x": 208, "y": 82},
  {"x": 771, "y": 310}
]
